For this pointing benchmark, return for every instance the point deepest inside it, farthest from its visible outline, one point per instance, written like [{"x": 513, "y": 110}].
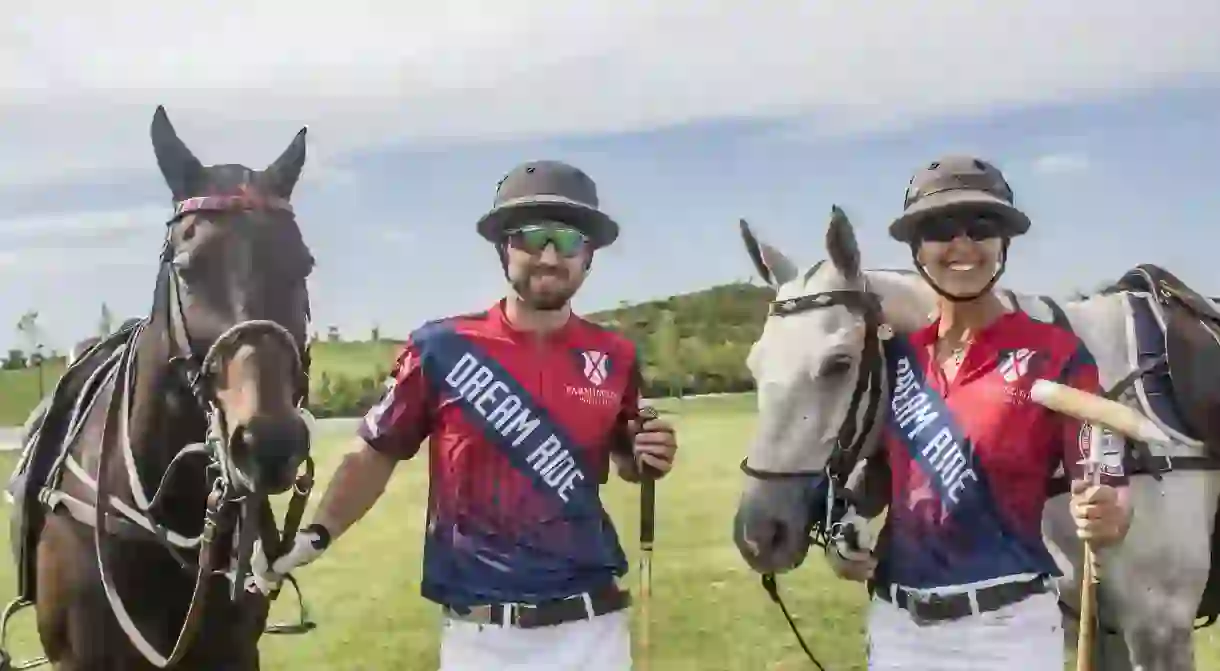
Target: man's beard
[{"x": 545, "y": 301}]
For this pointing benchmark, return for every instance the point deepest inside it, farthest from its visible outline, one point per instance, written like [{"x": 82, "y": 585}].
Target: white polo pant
[
  {"x": 1024, "y": 636},
  {"x": 602, "y": 643}
]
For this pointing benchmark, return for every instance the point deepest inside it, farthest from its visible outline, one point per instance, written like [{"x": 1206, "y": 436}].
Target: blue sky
[{"x": 1111, "y": 149}]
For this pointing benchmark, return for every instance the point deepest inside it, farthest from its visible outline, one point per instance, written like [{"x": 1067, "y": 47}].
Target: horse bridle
[
  {"x": 231, "y": 491},
  {"x": 851, "y": 436}
]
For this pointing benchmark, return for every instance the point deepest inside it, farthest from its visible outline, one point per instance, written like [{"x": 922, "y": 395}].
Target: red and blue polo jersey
[
  {"x": 971, "y": 460},
  {"x": 520, "y": 428}
]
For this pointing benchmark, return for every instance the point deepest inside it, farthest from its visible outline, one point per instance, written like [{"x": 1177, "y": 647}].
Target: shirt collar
[
  {"x": 929, "y": 334},
  {"x": 499, "y": 316}
]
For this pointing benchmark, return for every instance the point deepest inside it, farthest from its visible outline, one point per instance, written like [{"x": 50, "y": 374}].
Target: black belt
[
  {"x": 545, "y": 614},
  {"x": 941, "y": 607}
]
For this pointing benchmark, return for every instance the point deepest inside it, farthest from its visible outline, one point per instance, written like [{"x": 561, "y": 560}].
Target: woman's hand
[{"x": 1102, "y": 515}]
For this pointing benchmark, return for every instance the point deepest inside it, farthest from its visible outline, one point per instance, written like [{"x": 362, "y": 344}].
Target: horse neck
[
  {"x": 906, "y": 301},
  {"x": 164, "y": 419},
  {"x": 1098, "y": 320}
]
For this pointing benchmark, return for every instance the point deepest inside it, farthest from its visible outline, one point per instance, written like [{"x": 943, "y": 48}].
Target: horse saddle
[
  {"x": 1176, "y": 341},
  {"x": 45, "y": 441}
]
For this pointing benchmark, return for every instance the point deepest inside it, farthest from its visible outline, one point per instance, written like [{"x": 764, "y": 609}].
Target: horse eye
[{"x": 836, "y": 366}]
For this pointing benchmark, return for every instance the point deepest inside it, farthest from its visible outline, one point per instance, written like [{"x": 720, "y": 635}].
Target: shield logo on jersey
[
  {"x": 1015, "y": 365},
  {"x": 596, "y": 366}
]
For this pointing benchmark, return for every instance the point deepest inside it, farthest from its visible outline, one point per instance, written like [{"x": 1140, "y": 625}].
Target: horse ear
[
  {"x": 282, "y": 175},
  {"x": 179, "y": 166},
  {"x": 841, "y": 244},
  {"x": 771, "y": 264}
]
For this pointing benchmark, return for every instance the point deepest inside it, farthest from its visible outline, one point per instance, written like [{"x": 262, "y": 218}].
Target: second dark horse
[{"x": 145, "y": 483}]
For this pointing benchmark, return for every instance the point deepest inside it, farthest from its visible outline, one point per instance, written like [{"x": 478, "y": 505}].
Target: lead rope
[{"x": 768, "y": 583}]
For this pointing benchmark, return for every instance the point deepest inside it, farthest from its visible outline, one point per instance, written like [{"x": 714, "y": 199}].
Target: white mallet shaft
[{"x": 1094, "y": 409}]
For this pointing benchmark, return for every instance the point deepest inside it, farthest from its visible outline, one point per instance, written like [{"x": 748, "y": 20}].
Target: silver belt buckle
[
  {"x": 914, "y": 600},
  {"x": 474, "y": 614}
]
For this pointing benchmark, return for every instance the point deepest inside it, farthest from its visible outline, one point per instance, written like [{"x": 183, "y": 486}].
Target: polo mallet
[
  {"x": 648, "y": 509},
  {"x": 1100, "y": 413}
]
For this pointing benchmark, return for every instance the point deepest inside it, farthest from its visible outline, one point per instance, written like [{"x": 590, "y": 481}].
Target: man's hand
[
  {"x": 307, "y": 545},
  {"x": 654, "y": 444},
  {"x": 1101, "y": 517},
  {"x": 857, "y": 566}
]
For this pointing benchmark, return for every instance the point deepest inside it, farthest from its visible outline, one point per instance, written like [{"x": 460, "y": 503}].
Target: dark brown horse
[{"x": 145, "y": 484}]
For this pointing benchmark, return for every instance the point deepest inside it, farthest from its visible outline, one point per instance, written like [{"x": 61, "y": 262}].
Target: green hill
[
  {"x": 690, "y": 343},
  {"x": 696, "y": 342}
]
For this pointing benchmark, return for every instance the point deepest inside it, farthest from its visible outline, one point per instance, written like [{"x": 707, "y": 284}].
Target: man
[
  {"x": 967, "y": 456},
  {"x": 525, "y": 407}
]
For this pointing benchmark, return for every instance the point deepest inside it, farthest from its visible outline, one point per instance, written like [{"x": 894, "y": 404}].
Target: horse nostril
[
  {"x": 765, "y": 537},
  {"x": 270, "y": 436},
  {"x": 779, "y": 535},
  {"x": 238, "y": 440}
]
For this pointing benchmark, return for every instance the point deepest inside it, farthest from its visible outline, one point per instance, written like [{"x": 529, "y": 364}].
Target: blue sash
[
  {"x": 919, "y": 417},
  {"x": 516, "y": 424},
  {"x": 966, "y": 539}
]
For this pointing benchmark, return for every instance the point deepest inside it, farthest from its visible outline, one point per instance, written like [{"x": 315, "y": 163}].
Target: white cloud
[
  {"x": 1060, "y": 163},
  {"x": 67, "y": 225},
  {"x": 67, "y": 242},
  {"x": 79, "y": 80}
]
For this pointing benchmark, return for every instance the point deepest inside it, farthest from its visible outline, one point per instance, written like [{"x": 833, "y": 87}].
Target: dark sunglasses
[
  {"x": 534, "y": 237},
  {"x": 944, "y": 229}
]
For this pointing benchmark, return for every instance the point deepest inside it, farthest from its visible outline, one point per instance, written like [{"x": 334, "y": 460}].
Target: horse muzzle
[
  {"x": 771, "y": 526},
  {"x": 270, "y": 450}
]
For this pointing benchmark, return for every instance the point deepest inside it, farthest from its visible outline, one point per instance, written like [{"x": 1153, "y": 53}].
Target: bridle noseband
[{"x": 824, "y": 529}]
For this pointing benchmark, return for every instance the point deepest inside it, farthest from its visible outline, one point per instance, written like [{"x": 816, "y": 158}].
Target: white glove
[
  {"x": 850, "y": 554},
  {"x": 307, "y": 545}
]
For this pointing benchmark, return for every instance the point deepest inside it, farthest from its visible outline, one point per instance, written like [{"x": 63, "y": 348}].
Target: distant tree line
[
  {"x": 689, "y": 344},
  {"x": 344, "y": 396}
]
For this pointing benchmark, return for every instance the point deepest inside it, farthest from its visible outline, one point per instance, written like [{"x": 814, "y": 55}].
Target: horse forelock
[{"x": 229, "y": 179}]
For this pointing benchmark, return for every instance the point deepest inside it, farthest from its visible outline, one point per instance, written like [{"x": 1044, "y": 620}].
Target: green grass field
[
  {"x": 353, "y": 359},
  {"x": 19, "y": 388},
  {"x": 709, "y": 612},
  {"x": 19, "y": 391}
]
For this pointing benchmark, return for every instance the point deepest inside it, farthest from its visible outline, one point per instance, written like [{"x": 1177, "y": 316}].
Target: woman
[{"x": 968, "y": 455}]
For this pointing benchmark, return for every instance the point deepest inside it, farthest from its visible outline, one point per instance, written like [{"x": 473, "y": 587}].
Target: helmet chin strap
[{"x": 919, "y": 267}]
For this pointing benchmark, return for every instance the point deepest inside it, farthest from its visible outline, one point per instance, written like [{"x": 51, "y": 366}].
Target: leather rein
[
  {"x": 232, "y": 504},
  {"x": 852, "y": 435}
]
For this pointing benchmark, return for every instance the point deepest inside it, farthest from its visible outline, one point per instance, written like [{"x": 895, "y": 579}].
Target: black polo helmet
[
  {"x": 551, "y": 190},
  {"x": 956, "y": 185}
]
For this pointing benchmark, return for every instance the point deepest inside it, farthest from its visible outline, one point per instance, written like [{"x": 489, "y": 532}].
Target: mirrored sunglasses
[{"x": 534, "y": 237}]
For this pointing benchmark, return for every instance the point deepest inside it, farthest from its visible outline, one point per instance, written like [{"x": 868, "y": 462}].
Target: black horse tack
[{"x": 148, "y": 403}]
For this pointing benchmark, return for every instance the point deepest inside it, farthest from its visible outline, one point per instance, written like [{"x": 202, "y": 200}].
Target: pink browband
[{"x": 248, "y": 200}]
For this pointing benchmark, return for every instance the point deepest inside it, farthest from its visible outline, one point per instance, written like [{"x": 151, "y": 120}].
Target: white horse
[{"x": 807, "y": 364}]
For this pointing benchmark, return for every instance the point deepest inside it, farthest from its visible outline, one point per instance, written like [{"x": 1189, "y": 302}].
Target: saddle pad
[
  {"x": 1154, "y": 389},
  {"x": 42, "y": 455}
]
